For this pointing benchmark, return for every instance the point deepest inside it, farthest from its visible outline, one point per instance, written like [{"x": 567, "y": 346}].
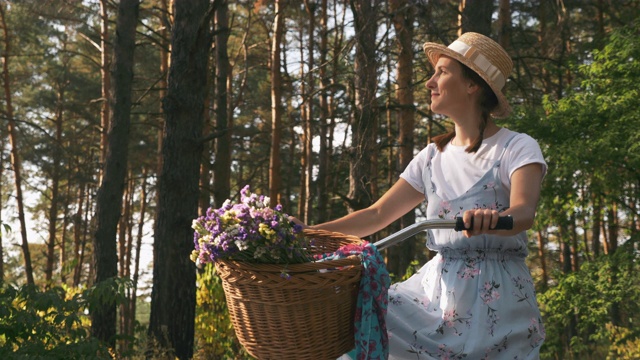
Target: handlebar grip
[{"x": 504, "y": 223}]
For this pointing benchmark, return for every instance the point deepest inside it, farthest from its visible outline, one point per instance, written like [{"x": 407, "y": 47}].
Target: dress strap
[{"x": 504, "y": 150}]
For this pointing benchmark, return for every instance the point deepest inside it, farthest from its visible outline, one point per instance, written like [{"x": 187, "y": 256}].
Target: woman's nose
[{"x": 431, "y": 83}]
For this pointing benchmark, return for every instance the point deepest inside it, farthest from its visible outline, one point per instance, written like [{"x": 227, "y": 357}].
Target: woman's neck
[{"x": 466, "y": 134}]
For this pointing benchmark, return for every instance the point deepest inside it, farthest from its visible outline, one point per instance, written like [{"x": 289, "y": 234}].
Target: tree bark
[
  {"x": 595, "y": 228},
  {"x": 167, "y": 23},
  {"x": 322, "y": 193},
  {"x": 475, "y": 15},
  {"x": 403, "y": 19},
  {"x": 109, "y": 197},
  {"x": 275, "y": 164},
  {"x": 543, "y": 260},
  {"x": 302, "y": 199},
  {"x": 136, "y": 265},
  {"x": 78, "y": 235},
  {"x": 105, "y": 74},
  {"x": 364, "y": 119},
  {"x": 504, "y": 23},
  {"x": 310, "y": 7},
  {"x": 56, "y": 159},
  {"x": 171, "y": 324},
  {"x": 224, "y": 123}
]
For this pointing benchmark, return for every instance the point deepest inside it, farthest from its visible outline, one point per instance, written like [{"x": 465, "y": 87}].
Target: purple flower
[{"x": 237, "y": 231}]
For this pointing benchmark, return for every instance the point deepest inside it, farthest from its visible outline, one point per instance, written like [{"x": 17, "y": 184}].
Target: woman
[{"x": 475, "y": 299}]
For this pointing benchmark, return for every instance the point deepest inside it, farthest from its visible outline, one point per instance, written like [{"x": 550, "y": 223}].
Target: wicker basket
[{"x": 309, "y": 316}]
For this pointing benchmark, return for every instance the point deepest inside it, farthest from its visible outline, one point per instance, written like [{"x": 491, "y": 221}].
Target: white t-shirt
[{"x": 454, "y": 171}]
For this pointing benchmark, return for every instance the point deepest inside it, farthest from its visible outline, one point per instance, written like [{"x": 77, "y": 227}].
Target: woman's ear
[{"x": 472, "y": 87}]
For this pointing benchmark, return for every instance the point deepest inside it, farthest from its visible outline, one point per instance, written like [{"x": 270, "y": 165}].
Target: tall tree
[
  {"x": 61, "y": 84},
  {"x": 275, "y": 163},
  {"x": 310, "y": 7},
  {"x": 475, "y": 15},
  {"x": 224, "y": 120},
  {"x": 173, "y": 296},
  {"x": 403, "y": 12},
  {"x": 322, "y": 193},
  {"x": 16, "y": 163},
  {"x": 105, "y": 74},
  {"x": 109, "y": 197},
  {"x": 364, "y": 119},
  {"x": 504, "y": 23},
  {"x": 165, "y": 46}
]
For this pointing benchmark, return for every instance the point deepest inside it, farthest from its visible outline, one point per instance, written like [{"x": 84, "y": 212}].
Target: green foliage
[
  {"x": 585, "y": 303},
  {"x": 111, "y": 291},
  {"x": 590, "y": 142},
  {"x": 215, "y": 337},
  {"x": 592, "y": 133},
  {"x": 37, "y": 324}
]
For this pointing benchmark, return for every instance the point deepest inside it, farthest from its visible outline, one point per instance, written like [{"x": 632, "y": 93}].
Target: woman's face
[{"x": 449, "y": 88}]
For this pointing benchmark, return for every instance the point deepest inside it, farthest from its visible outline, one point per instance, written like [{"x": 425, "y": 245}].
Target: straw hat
[{"x": 482, "y": 55}]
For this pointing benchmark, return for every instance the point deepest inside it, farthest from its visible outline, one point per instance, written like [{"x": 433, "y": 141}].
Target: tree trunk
[
  {"x": 109, "y": 197},
  {"x": 56, "y": 159},
  {"x": 565, "y": 249},
  {"x": 167, "y": 24},
  {"x": 78, "y": 235},
  {"x": 171, "y": 324},
  {"x": 136, "y": 264},
  {"x": 224, "y": 123},
  {"x": 105, "y": 74},
  {"x": 612, "y": 227},
  {"x": 15, "y": 158},
  {"x": 124, "y": 249},
  {"x": 403, "y": 24},
  {"x": 504, "y": 23},
  {"x": 310, "y": 7},
  {"x": 364, "y": 119},
  {"x": 596, "y": 224},
  {"x": 575, "y": 260},
  {"x": 475, "y": 15},
  {"x": 302, "y": 199},
  {"x": 543, "y": 260},
  {"x": 275, "y": 164},
  {"x": 64, "y": 267},
  {"x": 322, "y": 193}
]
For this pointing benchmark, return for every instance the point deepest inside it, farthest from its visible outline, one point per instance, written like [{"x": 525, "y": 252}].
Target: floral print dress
[{"x": 475, "y": 299}]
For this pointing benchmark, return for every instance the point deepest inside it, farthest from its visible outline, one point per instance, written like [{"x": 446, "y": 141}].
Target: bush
[
  {"x": 49, "y": 324},
  {"x": 591, "y": 313}
]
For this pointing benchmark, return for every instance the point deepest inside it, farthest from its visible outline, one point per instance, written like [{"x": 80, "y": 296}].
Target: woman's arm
[
  {"x": 396, "y": 202},
  {"x": 525, "y": 193}
]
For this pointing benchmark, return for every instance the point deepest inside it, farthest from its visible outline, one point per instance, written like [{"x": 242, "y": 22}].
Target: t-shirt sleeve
[
  {"x": 414, "y": 172},
  {"x": 524, "y": 150}
]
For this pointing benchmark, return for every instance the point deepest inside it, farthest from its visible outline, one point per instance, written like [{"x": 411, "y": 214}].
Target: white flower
[
  {"x": 259, "y": 252},
  {"x": 233, "y": 230},
  {"x": 241, "y": 245}
]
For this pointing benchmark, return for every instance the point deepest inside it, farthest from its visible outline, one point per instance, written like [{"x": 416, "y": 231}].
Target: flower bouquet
[
  {"x": 282, "y": 303},
  {"x": 249, "y": 231}
]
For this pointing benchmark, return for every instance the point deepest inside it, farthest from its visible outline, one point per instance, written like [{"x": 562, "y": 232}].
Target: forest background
[{"x": 123, "y": 121}]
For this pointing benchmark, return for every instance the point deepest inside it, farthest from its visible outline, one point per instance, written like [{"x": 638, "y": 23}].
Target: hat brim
[{"x": 435, "y": 50}]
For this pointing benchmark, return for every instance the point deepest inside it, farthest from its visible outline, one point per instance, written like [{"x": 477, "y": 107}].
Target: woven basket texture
[{"x": 308, "y": 316}]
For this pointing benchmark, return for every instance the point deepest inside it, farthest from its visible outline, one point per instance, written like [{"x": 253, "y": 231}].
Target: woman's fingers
[{"x": 479, "y": 221}]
